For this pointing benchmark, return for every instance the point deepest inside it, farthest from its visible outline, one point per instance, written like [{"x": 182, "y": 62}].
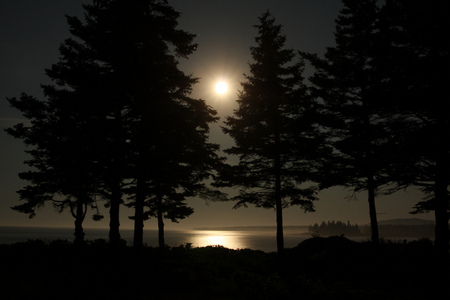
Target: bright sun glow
[
  {"x": 221, "y": 87},
  {"x": 215, "y": 240},
  {"x": 228, "y": 239}
]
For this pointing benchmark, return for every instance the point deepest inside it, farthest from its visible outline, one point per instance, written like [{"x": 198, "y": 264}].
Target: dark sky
[{"x": 30, "y": 34}]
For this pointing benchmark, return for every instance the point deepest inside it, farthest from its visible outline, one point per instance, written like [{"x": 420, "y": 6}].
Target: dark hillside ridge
[{"x": 318, "y": 268}]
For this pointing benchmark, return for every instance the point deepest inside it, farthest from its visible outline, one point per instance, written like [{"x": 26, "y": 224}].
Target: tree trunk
[
  {"x": 372, "y": 209},
  {"x": 79, "y": 218},
  {"x": 161, "y": 241},
  {"x": 116, "y": 179},
  {"x": 280, "y": 237},
  {"x": 441, "y": 201},
  {"x": 278, "y": 200},
  {"x": 114, "y": 223},
  {"x": 138, "y": 240}
]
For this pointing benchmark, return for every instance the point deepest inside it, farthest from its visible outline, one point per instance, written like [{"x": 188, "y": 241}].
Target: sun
[{"x": 221, "y": 87}]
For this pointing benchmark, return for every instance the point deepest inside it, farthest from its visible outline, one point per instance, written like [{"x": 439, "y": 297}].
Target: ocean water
[{"x": 264, "y": 240}]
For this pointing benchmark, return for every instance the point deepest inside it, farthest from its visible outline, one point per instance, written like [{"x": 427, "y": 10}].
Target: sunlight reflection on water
[
  {"x": 228, "y": 239},
  {"x": 264, "y": 240},
  {"x": 242, "y": 239},
  {"x": 260, "y": 239}
]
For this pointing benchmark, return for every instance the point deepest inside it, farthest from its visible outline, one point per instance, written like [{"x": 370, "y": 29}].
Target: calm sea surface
[{"x": 234, "y": 239}]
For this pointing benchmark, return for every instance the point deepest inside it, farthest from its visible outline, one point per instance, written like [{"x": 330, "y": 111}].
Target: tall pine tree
[
  {"x": 275, "y": 136},
  {"x": 64, "y": 139},
  {"x": 349, "y": 82},
  {"x": 417, "y": 60},
  {"x": 120, "y": 112},
  {"x": 167, "y": 131},
  {"x": 85, "y": 105}
]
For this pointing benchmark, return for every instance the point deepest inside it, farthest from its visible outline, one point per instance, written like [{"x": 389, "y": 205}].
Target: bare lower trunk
[
  {"x": 79, "y": 218},
  {"x": 116, "y": 177},
  {"x": 372, "y": 210},
  {"x": 278, "y": 198},
  {"x": 138, "y": 239},
  {"x": 279, "y": 205},
  {"x": 161, "y": 241},
  {"x": 280, "y": 237},
  {"x": 114, "y": 224},
  {"x": 441, "y": 203}
]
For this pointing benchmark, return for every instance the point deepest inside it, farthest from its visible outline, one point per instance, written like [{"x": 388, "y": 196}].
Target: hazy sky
[{"x": 30, "y": 34}]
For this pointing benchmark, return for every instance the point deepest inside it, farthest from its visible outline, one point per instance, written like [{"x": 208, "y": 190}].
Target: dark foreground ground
[{"x": 319, "y": 268}]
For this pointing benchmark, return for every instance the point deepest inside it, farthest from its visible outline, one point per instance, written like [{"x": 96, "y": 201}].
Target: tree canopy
[
  {"x": 348, "y": 82},
  {"x": 119, "y": 117},
  {"x": 275, "y": 136},
  {"x": 417, "y": 57}
]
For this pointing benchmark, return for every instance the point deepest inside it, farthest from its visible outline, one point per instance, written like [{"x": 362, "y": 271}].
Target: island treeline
[
  {"x": 118, "y": 123},
  {"x": 331, "y": 228},
  {"x": 339, "y": 228}
]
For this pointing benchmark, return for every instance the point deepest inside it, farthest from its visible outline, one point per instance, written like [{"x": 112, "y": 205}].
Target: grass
[{"x": 318, "y": 268}]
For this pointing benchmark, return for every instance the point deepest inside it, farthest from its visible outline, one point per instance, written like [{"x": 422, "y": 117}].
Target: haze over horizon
[{"x": 31, "y": 32}]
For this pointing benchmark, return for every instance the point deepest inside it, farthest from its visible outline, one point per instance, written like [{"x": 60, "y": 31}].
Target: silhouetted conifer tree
[
  {"x": 273, "y": 129},
  {"x": 417, "y": 63},
  {"x": 84, "y": 118},
  {"x": 169, "y": 155},
  {"x": 120, "y": 112},
  {"x": 106, "y": 101},
  {"x": 63, "y": 148},
  {"x": 349, "y": 82}
]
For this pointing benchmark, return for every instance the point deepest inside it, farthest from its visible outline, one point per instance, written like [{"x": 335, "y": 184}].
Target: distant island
[{"x": 405, "y": 228}]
